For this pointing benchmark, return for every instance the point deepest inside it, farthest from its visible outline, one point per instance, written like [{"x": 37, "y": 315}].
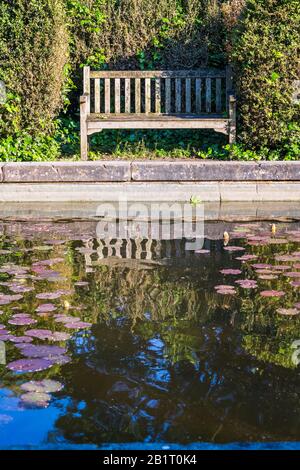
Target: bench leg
[
  {"x": 232, "y": 119},
  {"x": 84, "y": 143}
]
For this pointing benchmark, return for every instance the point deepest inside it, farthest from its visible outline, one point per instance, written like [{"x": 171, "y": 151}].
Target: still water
[{"x": 143, "y": 341}]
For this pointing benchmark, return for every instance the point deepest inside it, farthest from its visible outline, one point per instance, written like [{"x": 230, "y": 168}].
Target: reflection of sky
[{"x": 26, "y": 427}]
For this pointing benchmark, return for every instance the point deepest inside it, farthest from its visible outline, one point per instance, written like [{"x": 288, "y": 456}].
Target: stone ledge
[
  {"x": 66, "y": 172},
  {"x": 212, "y": 191},
  {"x": 149, "y": 171},
  {"x": 215, "y": 171}
]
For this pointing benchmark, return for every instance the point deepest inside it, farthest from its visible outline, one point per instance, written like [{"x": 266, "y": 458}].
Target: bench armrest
[
  {"x": 84, "y": 98},
  {"x": 232, "y": 98}
]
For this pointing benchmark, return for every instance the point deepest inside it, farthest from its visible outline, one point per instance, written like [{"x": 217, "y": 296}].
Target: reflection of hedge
[
  {"x": 266, "y": 55},
  {"x": 33, "y": 52},
  {"x": 155, "y": 291}
]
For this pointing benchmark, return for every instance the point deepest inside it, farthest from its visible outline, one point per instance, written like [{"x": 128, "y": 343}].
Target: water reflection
[{"x": 157, "y": 354}]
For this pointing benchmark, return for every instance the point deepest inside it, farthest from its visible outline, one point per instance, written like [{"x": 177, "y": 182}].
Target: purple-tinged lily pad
[
  {"x": 262, "y": 266},
  {"x": 267, "y": 277},
  {"x": 247, "y": 283},
  {"x": 22, "y": 321},
  {"x": 246, "y": 257},
  {"x": 38, "y": 399},
  {"x": 66, "y": 319},
  {"x": 295, "y": 283},
  {"x": 3, "y": 331},
  {"x": 233, "y": 272},
  {"x": 60, "y": 336},
  {"x": 45, "y": 308},
  {"x": 77, "y": 325},
  {"x": 29, "y": 365},
  {"x": 47, "y": 351},
  {"x": 39, "y": 333},
  {"x": 21, "y": 339},
  {"x": 60, "y": 360},
  {"x": 272, "y": 293},
  {"x": 48, "y": 262},
  {"x": 42, "y": 386},
  {"x": 288, "y": 311},
  {"x": 6, "y": 337},
  {"x": 292, "y": 274},
  {"x": 234, "y": 248},
  {"x": 282, "y": 267},
  {"x": 48, "y": 296}
]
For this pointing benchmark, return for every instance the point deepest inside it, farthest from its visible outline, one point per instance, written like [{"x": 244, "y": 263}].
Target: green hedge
[
  {"x": 34, "y": 53},
  {"x": 265, "y": 51}
]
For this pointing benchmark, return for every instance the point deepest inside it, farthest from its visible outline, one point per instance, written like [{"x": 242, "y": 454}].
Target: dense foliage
[
  {"x": 33, "y": 51},
  {"x": 45, "y": 43},
  {"x": 266, "y": 47}
]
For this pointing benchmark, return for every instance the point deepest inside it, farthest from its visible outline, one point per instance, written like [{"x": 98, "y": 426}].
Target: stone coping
[{"x": 149, "y": 171}]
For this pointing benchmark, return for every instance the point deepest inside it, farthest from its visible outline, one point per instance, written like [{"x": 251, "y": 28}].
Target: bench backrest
[{"x": 201, "y": 91}]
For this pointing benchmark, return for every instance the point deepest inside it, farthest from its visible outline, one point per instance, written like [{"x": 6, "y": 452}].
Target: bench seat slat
[{"x": 153, "y": 117}]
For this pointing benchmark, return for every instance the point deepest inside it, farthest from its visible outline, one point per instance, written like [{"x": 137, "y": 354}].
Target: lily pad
[
  {"x": 46, "y": 351},
  {"x": 288, "y": 311},
  {"x": 247, "y": 283},
  {"x": 233, "y": 272},
  {"x": 42, "y": 386},
  {"x": 45, "y": 308},
  {"x": 29, "y": 365},
  {"x": 272, "y": 293},
  {"x": 22, "y": 321},
  {"x": 78, "y": 325},
  {"x": 36, "y": 398}
]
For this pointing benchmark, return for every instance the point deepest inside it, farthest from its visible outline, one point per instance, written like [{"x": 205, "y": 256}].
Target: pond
[{"x": 127, "y": 341}]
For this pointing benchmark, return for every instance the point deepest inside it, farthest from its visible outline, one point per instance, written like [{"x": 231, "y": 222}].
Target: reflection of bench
[{"x": 198, "y": 99}]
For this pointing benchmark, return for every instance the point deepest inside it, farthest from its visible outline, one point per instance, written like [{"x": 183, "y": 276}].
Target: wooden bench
[{"x": 179, "y": 99}]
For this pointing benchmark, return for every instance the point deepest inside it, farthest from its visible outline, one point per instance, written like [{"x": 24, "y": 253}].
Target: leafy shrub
[
  {"x": 265, "y": 51},
  {"x": 33, "y": 51}
]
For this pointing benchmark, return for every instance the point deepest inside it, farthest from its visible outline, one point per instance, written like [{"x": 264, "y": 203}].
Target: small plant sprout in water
[{"x": 194, "y": 200}]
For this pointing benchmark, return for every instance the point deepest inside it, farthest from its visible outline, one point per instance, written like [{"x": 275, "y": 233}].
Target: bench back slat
[
  {"x": 198, "y": 95},
  {"x": 168, "y": 95},
  {"x": 195, "y": 92},
  {"x": 137, "y": 93},
  {"x": 97, "y": 95},
  {"x": 218, "y": 95},
  {"x": 157, "y": 96},
  {"x": 127, "y": 95},
  {"x": 147, "y": 95},
  {"x": 188, "y": 102},
  {"x": 107, "y": 95},
  {"x": 208, "y": 95},
  {"x": 178, "y": 95},
  {"x": 117, "y": 96}
]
